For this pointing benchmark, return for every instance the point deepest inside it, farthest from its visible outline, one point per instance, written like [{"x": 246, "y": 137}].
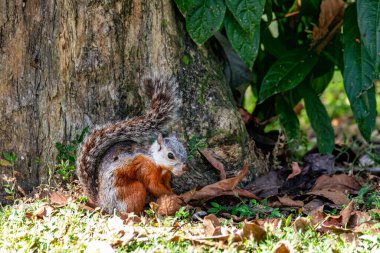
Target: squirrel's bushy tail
[{"x": 140, "y": 128}]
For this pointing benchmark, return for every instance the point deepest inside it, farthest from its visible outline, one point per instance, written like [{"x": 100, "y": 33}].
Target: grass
[{"x": 71, "y": 228}]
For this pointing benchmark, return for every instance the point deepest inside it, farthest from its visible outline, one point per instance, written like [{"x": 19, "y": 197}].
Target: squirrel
[{"x": 117, "y": 170}]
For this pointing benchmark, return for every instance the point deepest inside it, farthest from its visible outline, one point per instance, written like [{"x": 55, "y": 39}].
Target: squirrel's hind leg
[{"x": 132, "y": 196}]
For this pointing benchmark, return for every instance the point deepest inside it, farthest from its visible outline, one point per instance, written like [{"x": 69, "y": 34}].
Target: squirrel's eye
[{"x": 170, "y": 156}]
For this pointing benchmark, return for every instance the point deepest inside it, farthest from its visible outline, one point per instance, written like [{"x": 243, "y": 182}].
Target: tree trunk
[{"x": 65, "y": 65}]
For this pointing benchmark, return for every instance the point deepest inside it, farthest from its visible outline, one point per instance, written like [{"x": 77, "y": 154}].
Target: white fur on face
[{"x": 160, "y": 157}]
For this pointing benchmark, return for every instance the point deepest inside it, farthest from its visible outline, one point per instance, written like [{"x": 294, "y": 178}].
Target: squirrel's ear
[{"x": 160, "y": 140}]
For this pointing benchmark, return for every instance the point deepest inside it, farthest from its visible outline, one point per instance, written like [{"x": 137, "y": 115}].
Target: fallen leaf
[
  {"x": 346, "y": 213},
  {"x": 286, "y": 201},
  {"x": 214, "y": 190},
  {"x": 43, "y": 211},
  {"x": 86, "y": 207},
  {"x": 320, "y": 163},
  {"x": 167, "y": 204},
  {"x": 283, "y": 247},
  {"x": 21, "y": 190},
  {"x": 317, "y": 216},
  {"x": 336, "y": 196},
  {"x": 271, "y": 225},
  {"x": 266, "y": 185},
  {"x": 58, "y": 198},
  {"x": 312, "y": 206},
  {"x": 211, "y": 225},
  {"x": 251, "y": 229},
  {"x": 301, "y": 224},
  {"x": 296, "y": 170},
  {"x": 207, "y": 153},
  {"x": 341, "y": 182},
  {"x": 357, "y": 218}
]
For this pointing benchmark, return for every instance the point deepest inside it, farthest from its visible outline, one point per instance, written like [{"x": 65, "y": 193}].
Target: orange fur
[{"x": 140, "y": 176}]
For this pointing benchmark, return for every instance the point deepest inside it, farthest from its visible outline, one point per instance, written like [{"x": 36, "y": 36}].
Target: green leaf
[
  {"x": 7, "y": 156},
  {"x": 287, "y": 72},
  {"x": 204, "y": 18},
  {"x": 214, "y": 204},
  {"x": 246, "y": 44},
  {"x": 369, "y": 26},
  {"x": 310, "y": 7},
  {"x": 268, "y": 11},
  {"x": 334, "y": 52},
  {"x": 319, "y": 120},
  {"x": 319, "y": 84},
  {"x": 183, "y": 5},
  {"x": 288, "y": 120},
  {"x": 358, "y": 75},
  {"x": 248, "y": 13}
]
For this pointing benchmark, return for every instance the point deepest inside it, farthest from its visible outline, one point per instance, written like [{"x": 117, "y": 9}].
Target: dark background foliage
[{"x": 288, "y": 51}]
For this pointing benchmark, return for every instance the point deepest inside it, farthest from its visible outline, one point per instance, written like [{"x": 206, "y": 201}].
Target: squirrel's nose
[{"x": 185, "y": 168}]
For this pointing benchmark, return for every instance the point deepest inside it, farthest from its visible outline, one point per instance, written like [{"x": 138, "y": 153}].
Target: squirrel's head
[{"x": 170, "y": 153}]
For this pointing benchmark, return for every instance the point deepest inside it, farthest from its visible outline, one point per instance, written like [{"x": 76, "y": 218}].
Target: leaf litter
[{"x": 311, "y": 189}]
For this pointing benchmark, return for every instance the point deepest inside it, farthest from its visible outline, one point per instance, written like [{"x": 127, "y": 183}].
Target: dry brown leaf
[
  {"x": 58, "y": 198},
  {"x": 312, "y": 206},
  {"x": 214, "y": 190},
  {"x": 301, "y": 224},
  {"x": 43, "y": 211},
  {"x": 167, "y": 204},
  {"x": 346, "y": 213},
  {"x": 331, "y": 12},
  {"x": 207, "y": 153},
  {"x": 240, "y": 193},
  {"x": 21, "y": 190},
  {"x": 317, "y": 216},
  {"x": 283, "y": 247},
  {"x": 357, "y": 218},
  {"x": 341, "y": 182},
  {"x": 336, "y": 196},
  {"x": 211, "y": 225},
  {"x": 251, "y": 229},
  {"x": 296, "y": 170},
  {"x": 271, "y": 224},
  {"x": 287, "y": 201},
  {"x": 86, "y": 207},
  {"x": 246, "y": 116}
]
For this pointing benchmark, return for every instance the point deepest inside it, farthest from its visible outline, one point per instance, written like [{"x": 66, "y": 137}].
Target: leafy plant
[
  {"x": 10, "y": 157},
  {"x": 368, "y": 198},
  {"x": 67, "y": 154},
  {"x": 9, "y": 186},
  {"x": 194, "y": 144},
  {"x": 65, "y": 169},
  {"x": 250, "y": 209},
  {"x": 182, "y": 213},
  {"x": 301, "y": 48}
]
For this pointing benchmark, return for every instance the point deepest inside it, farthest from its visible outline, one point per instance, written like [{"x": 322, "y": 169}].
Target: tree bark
[{"x": 66, "y": 64}]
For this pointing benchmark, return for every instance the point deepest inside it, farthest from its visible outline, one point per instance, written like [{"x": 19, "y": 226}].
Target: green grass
[{"x": 71, "y": 229}]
